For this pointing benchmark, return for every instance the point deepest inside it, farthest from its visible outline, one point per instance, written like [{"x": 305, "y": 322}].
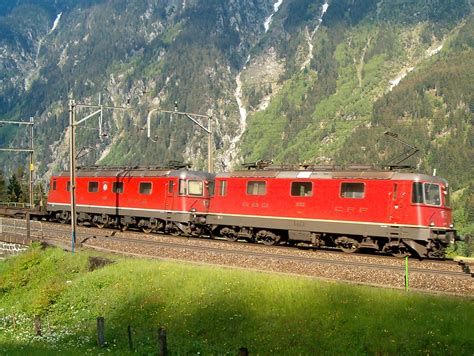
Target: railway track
[
  {"x": 431, "y": 275},
  {"x": 54, "y": 230},
  {"x": 218, "y": 250}
]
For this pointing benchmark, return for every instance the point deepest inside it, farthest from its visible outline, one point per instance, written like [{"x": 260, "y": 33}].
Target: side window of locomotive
[
  {"x": 223, "y": 188},
  {"x": 432, "y": 194},
  {"x": 170, "y": 186},
  {"x": 68, "y": 186},
  {"x": 182, "y": 187},
  {"x": 395, "y": 192},
  {"x": 417, "y": 193},
  {"x": 211, "y": 187},
  {"x": 93, "y": 187},
  {"x": 301, "y": 189},
  {"x": 195, "y": 187},
  {"x": 256, "y": 188},
  {"x": 353, "y": 190},
  {"x": 145, "y": 188},
  {"x": 117, "y": 187},
  {"x": 54, "y": 185}
]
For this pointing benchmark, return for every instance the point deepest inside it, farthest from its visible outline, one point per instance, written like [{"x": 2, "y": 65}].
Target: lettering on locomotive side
[
  {"x": 254, "y": 205},
  {"x": 350, "y": 209}
]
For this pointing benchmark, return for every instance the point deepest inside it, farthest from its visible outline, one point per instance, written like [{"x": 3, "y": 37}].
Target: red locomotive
[
  {"x": 149, "y": 198},
  {"x": 394, "y": 212}
]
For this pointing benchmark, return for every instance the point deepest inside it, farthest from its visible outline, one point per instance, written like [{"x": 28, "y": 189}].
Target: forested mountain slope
[{"x": 310, "y": 81}]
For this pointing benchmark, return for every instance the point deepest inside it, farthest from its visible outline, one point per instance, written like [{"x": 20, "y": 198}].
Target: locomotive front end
[{"x": 431, "y": 197}]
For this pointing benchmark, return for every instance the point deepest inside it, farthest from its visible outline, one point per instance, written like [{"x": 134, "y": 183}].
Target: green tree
[
  {"x": 14, "y": 190},
  {"x": 3, "y": 188}
]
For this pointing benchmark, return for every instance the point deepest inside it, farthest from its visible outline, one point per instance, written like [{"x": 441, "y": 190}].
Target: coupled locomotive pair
[{"x": 387, "y": 211}]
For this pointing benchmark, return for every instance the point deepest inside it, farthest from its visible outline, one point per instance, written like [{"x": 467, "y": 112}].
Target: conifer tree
[
  {"x": 14, "y": 189},
  {"x": 3, "y": 188}
]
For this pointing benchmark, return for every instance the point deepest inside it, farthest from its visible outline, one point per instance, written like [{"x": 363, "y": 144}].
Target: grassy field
[{"x": 209, "y": 310}]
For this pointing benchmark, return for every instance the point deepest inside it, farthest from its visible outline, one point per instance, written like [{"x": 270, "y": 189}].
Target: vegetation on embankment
[{"x": 211, "y": 310}]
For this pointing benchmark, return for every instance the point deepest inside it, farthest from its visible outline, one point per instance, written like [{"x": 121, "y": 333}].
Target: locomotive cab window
[
  {"x": 145, "y": 188},
  {"x": 117, "y": 187},
  {"x": 417, "y": 193},
  {"x": 211, "y": 188},
  {"x": 170, "y": 186},
  {"x": 432, "y": 194},
  {"x": 426, "y": 193},
  {"x": 54, "y": 185},
  {"x": 301, "y": 189},
  {"x": 68, "y": 186},
  {"x": 93, "y": 187},
  {"x": 256, "y": 188},
  {"x": 353, "y": 190},
  {"x": 195, "y": 188},
  {"x": 182, "y": 187}
]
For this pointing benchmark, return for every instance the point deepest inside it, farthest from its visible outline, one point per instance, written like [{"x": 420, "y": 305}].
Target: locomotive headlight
[
  {"x": 432, "y": 223},
  {"x": 193, "y": 210},
  {"x": 451, "y": 225}
]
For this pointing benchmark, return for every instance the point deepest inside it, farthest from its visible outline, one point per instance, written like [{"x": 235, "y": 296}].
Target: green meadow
[{"x": 210, "y": 310}]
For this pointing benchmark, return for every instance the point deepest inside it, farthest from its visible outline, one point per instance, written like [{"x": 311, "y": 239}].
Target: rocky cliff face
[{"x": 147, "y": 53}]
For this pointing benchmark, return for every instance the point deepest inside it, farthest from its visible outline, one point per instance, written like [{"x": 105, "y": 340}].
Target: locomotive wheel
[
  {"x": 232, "y": 238},
  {"x": 100, "y": 221},
  {"x": 64, "y": 217},
  {"x": 99, "y": 225},
  {"x": 268, "y": 238},
  {"x": 146, "y": 229},
  {"x": 402, "y": 252},
  {"x": 173, "y": 230},
  {"x": 347, "y": 245},
  {"x": 124, "y": 227},
  {"x": 229, "y": 234}
]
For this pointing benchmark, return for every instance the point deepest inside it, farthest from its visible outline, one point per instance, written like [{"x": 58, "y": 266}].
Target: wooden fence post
[
  {"x": 243, "y": 351},
  {"x": 37, "y": 324},
  {"x": 162, "y": 347},
  {"x": 100, "y": 331},
  {"x": 130, "y": 343},
  {"x": 28, "y": 227}
]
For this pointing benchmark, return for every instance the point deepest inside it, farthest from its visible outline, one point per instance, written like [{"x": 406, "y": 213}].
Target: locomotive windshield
[{"x": 426, "y": 193}]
